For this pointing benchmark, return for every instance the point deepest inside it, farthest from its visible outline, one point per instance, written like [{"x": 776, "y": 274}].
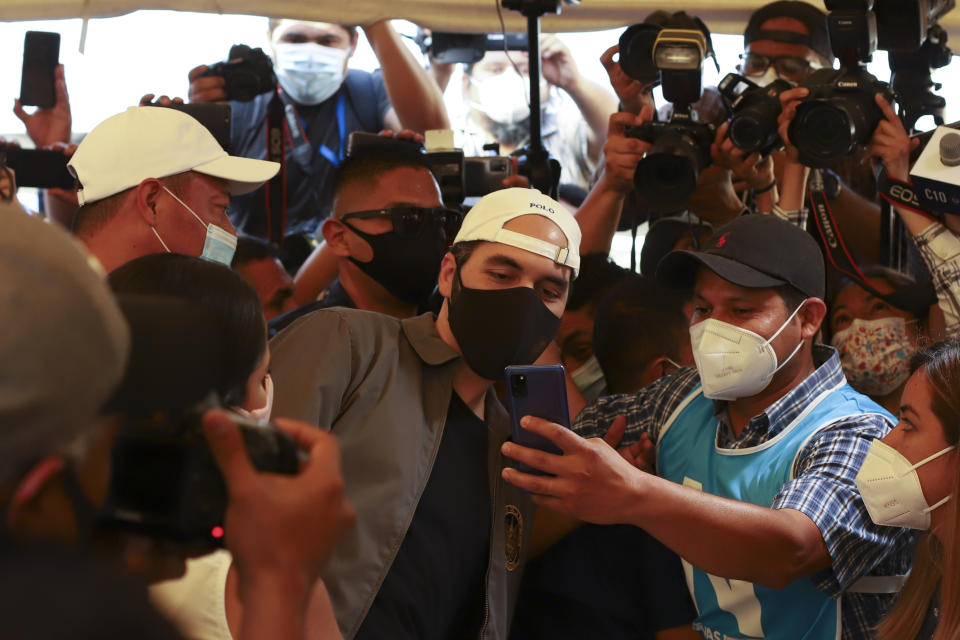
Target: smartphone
[
  {"x": 212, "y": 115},
  {"x": 539, "y": 391},
  {"x": 41, "y": 55},
  {"x": 40, "y": 168}
]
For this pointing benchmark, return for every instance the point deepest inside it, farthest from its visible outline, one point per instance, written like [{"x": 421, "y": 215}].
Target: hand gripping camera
[
  {"x": 755, "y": 111},
  {"x": 666, "y": 176},
  {"x": 840, "y": 111},
  {"x": 246, "y": 73}
]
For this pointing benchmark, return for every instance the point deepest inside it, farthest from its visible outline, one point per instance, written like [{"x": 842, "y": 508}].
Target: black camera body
[
  {"x": 755, "y": 111},
  {"x": 164, "y": 482},
  {"x": 666, "y": 176},
  {"x": 838, "y": 114},
  {"x": 246, "y": 73}
]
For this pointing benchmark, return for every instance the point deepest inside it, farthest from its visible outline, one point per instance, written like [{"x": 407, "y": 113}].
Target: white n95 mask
[
  {"x": 734, "y": 362},
  {"x": 891, "y": 489},
  {"x": 308, "y": 72}
]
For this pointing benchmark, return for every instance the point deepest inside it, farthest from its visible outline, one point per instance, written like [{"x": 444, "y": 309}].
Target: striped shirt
[{"x": 823, "y": 485}]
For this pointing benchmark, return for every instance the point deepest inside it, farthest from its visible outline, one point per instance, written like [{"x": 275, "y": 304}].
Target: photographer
[
  {"x": 497, "y": 109},
  {"x": 330, "y": 102},
  {"x": 57, "y": 435}
]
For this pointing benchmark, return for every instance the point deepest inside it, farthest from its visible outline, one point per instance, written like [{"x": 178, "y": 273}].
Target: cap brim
[
  {"x": 243, "y": 174},
  {"x": 678, "y": 270}
]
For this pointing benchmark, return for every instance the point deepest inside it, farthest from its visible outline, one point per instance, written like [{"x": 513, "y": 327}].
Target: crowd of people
[{"x": 261, "y": 394}]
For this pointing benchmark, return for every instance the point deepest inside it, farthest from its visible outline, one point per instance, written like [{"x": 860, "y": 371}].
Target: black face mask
[
  {"x": 496, "y": 328},
  {"x": 406, "y": 266}
]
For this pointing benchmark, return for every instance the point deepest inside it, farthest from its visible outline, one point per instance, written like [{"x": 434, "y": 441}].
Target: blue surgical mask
[
  {"x": 589, "y": 379},
  {"x": 219, "y": 245}
]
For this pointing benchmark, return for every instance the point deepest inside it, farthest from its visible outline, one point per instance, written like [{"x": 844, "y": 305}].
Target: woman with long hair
[{"x": 911, "y": 478}]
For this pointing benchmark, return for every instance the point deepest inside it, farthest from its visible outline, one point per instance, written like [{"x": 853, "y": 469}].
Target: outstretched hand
[
  {"x": 592, "y": 481},
  {"x": 49, "y": 126},
  {"x": 633, "y": 95}
]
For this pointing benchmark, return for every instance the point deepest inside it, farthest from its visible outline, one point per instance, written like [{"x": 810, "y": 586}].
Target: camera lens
[
  {"x": 746, "y": 133},
  {"x": 822, "y": 132},
  {"x": 666, "y": 177},
  {"x": 518, "y": 384}
]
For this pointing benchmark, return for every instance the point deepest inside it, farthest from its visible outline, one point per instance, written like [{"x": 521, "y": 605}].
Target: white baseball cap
[
  {"x": 153, "y": 142},
  {"x": 486, "y": 219}
]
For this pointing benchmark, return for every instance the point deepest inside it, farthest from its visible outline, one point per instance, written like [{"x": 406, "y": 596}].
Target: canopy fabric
[{"x": 721, "y": 16}]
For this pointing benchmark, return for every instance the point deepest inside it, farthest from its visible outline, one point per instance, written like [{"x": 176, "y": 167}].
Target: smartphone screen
[{"x": 41, "y": 55}]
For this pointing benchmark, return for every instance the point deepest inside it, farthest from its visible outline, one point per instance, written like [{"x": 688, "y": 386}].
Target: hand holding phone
[
  {"x": 41, "y": 55},
  {"x": 539, "y": 391}
]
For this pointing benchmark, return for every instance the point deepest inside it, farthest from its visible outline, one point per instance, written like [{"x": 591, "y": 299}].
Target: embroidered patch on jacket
[{"x": 513, "y": 532}]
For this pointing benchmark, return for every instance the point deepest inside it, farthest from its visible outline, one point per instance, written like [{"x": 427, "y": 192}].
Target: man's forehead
[{"x": 301, "y": 26}]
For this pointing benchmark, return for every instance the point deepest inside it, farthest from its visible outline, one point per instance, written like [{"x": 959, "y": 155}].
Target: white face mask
[
  {"x": 891, "y": 489},
  {"x": 875, "y": 354},
  {"x": 503, "y": 97},
  {"x": 263, "y": 413},
  {"x": 767, "y": 77},
  {"x": 219, "y": 245},
  {"x": 589, "y": 379},
  {"x": 308, "y": 72},
  {"x": 734, "y": 362}
]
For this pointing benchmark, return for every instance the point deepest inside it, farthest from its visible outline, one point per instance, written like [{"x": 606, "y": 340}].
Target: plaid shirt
[
  {"x": 822, "y": 487},
  {"x": 940, "y": 249}
]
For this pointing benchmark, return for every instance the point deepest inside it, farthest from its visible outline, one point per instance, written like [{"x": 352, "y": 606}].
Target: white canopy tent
[{"x": 722, "y": 16}]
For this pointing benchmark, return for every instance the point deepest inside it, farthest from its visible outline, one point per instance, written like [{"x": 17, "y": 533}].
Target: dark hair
[
  {"x": 899, "y": 281},
  {"x": 273, "y": 23},
  {"x": 365, "y": 166},
  {"x": 250, "y": 249},
  {"x": 637, "y": 321},
  {"x": 791, "y": 296},
  {"x": 941, "y": 364},
  {"x": 598, "y": 274},
  {"x": 218, "y": 290}
]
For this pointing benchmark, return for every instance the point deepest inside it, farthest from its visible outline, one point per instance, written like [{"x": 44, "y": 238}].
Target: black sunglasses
[
  {"x": 792, "y": 67},
  {"x": 409, "y": 222}
]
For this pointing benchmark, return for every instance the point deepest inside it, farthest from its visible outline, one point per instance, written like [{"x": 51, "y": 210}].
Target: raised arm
[{"x": 416, "y": 98}]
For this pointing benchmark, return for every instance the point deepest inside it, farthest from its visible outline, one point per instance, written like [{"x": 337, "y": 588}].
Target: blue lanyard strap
[{"x": 336, "y": 158}]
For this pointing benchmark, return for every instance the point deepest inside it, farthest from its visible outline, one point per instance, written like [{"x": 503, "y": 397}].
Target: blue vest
[{"x": 688, "y": 454}]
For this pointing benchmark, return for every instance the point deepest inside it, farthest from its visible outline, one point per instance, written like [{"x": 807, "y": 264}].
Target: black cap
[
  {"x": 175, "y": 355},
  {"x": 755, "y": 251},
  {"x": 813, "y": 18},
  {"x": 663, "y": 236}
]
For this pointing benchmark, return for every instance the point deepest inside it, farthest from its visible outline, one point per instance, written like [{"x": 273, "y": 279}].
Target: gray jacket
[{"x": 383, "y": 387}]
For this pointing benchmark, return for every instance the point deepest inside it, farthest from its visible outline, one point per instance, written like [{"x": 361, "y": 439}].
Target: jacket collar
[{"x": 422, "y": 333}]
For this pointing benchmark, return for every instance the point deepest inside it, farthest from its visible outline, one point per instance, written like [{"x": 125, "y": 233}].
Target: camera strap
[
  {"x": 902, "y": 194},
  {"x": 914, "y": 299},
  {"x": 276, "y": 187}
]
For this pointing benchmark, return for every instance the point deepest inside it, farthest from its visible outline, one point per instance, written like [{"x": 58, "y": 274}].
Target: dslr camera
[
  {"x": 840, "y": 112},
  {"x": 666, "y": 176},
  {"x": 755, "y": 111},
  {"x": 246, "y": 73},
  {"x": 164, "y": 482}
]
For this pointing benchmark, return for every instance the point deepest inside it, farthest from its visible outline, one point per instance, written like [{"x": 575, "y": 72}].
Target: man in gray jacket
[{"x": 440, "y": 539}]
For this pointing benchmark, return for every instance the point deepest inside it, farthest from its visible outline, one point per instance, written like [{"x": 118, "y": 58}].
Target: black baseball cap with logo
[
  {"x": 756, "y": 251},
  {"x": 812, "y": 18}
]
